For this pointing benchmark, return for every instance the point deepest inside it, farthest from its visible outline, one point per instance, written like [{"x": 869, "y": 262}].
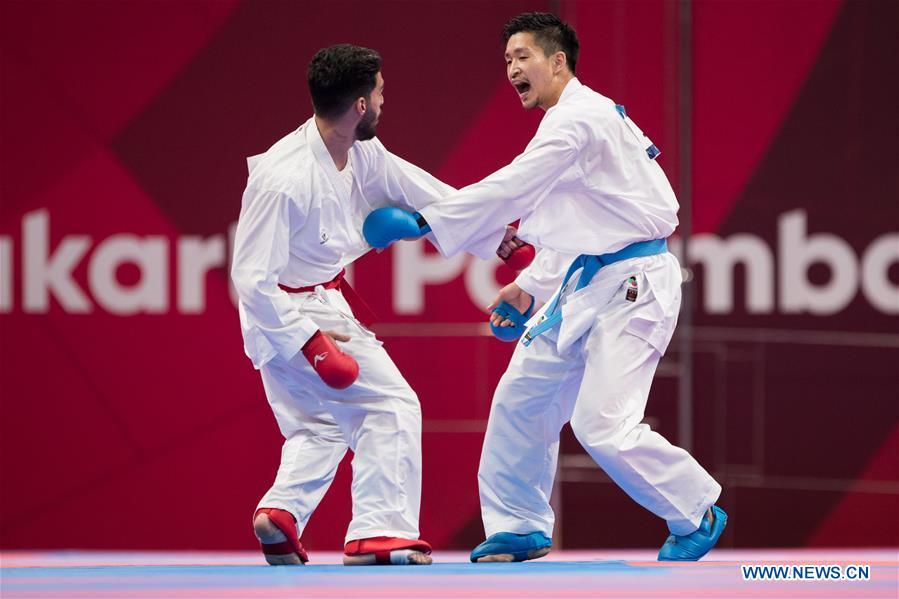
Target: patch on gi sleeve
[{"x": 631, "y": 295}]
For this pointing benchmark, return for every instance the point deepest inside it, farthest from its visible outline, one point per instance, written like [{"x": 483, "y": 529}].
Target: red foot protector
[
  {"x": 381, "y": 547},
  {"x": 521, "y": 257},
  {"x": 335, "y": 367},
  {"x": 286, "y": 524}
]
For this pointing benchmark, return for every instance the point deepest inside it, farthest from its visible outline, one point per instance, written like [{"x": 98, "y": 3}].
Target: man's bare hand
[
  {"x": 509, "y": 244},
  {"x": 336, "y": 336}
]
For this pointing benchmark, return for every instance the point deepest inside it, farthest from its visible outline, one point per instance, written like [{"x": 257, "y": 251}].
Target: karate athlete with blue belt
[{"x": 589, "y": 192}]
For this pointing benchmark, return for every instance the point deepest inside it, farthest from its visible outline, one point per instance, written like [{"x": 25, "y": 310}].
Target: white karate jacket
[
  {"x": 300, "y": 225},
  {"x": 583, "y": 185}
]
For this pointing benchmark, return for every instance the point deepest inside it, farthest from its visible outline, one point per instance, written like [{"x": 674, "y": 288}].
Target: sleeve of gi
[
  {"x": 474, "y": 218},
  {"x": 404, "y": 183},
  {"x": 545, "y": 274},
  {"x": 411, "y": 187},
  {"x": 261, "y": 251}
]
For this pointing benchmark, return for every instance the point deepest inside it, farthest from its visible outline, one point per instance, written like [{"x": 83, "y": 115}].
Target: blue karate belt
[{"x": 591, "y": 265}]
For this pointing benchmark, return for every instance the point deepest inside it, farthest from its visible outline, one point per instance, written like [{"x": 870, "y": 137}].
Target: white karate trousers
[
  {"x": 594, "y": 370},
  {"x": 378, "y": 417}
]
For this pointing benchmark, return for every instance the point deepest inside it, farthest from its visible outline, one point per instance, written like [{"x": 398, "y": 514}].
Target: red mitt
[
  {"x": 336, "y": 368},
  {"x": 521, "y": 257}
]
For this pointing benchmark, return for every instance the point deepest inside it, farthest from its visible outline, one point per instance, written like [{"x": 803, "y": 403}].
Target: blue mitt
[
  {"x": 509, "y": 312},
  {"x": 385, "y": 225}
]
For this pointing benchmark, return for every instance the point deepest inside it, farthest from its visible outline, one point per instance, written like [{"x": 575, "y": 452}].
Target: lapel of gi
[{"x": 326, "y": 162}]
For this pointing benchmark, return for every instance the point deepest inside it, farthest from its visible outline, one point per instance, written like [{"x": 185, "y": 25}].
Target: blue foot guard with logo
[
  {"x": 691, "y": 547},
  {"x": 511, "y": 547}
]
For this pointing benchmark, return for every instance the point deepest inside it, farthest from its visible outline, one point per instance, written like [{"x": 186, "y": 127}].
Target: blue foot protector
[
  {"x": 511, "y": 547},
  {"x": 691, "y": 547},
  {"x": 509, "y": 312}
]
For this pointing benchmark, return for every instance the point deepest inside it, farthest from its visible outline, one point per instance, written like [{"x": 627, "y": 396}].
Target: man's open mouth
[{"x": 522, "y": 87}]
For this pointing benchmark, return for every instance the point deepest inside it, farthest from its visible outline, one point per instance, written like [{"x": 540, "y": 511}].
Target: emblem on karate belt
[{"x": 631, "y": 289}]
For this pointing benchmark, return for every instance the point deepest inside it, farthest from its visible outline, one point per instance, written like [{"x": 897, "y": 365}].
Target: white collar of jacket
[
  {"x": 570, "y": 89},
  {"x": 323, "y": 157}
]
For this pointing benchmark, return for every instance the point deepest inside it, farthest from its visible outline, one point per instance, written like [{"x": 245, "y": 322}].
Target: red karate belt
[{"x": 361, "y": 310}]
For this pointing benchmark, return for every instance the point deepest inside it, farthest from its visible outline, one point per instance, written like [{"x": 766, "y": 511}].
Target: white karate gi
[
  {"x": 300, "y": 225},
  {"x": 583, "y": 185}
]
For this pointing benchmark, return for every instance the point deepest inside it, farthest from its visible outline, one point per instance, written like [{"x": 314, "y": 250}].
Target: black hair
[
  {"x": 339, "y": 75},
  {"x": 550, "y": 32}
]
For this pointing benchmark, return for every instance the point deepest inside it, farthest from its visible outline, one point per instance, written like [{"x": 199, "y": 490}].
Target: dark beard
[{"x": 365, "y": 130}]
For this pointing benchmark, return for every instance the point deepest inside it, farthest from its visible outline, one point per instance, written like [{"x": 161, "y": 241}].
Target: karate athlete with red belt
[
  {"x": 588, "y": 192},
  {"x": 330, "y": 383}
]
